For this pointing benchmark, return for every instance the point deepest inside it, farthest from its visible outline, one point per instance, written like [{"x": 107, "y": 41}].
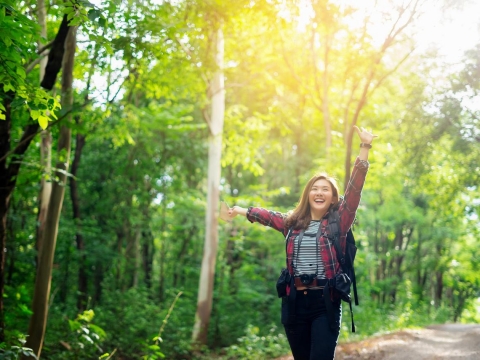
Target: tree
[
  {"x": 207, "y": 276},
  {"x": 38, "y": 321},
  {"x": 340, "y": 64},
  {"x": 14, "y": 89}
]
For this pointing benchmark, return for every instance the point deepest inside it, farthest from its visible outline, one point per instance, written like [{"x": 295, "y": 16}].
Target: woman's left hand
[{"x": 365, "y": 136}]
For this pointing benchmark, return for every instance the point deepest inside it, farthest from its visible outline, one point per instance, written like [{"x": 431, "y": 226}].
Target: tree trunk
[
  {"x": 97, "y": 283},
  {"x": 180, "y": 263},
  {"x": 205, "y": 287},
  {"x": 38, "y": 321},
  {"x": 80, "y": 140},
  {"x": 163, "y": 252},
  {"x": 5, "y": 194},
  {"x": 438, "y": 288},
  {"x": 45, "y": 144},
  {"x": 82, "y": 271},
  {"x": 45, "y": 187},
  {"x": 136, "y": 257},
  {"x": 147, "y": 255}
]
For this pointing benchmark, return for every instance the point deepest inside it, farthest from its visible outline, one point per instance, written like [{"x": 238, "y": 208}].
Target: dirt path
[{"x": 450, "y": 341}]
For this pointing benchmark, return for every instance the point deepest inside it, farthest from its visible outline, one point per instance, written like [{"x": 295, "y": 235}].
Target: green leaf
[
  {"x": 7, "y": 87},
  {"x": 7, "y": 41},
  {"x": 70, "y": 13},
  {"x": 34, "y": 114},
  {"x": 43, "y": 122},
  {"x": 87, "y": 315},
  {"x": 102, "y": 21},
  {"x": 75, "y": 21},
  {"x": 93, "y": 14},
  {"x": 21, "y": 72}
]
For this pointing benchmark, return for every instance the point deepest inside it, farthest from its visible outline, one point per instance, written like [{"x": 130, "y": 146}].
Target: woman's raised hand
[
  {"x": 236, "y": 210},
  {"x": 365, "y": 136}
]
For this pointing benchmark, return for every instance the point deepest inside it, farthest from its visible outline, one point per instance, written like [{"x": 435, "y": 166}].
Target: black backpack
[{"x": 345, "y": 259}]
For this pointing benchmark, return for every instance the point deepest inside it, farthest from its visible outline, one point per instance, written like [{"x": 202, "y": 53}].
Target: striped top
[{"x": 308, "y": 255}]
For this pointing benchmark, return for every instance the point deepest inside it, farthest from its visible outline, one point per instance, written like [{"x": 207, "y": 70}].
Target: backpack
[{"x": 345, "y": 260}]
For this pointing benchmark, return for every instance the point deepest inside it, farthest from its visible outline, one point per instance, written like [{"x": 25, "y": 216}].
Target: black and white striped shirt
[{"x": 308, "y": 255}]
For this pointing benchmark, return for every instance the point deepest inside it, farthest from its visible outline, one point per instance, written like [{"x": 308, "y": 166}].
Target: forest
[{"x": 124, "y": 125}]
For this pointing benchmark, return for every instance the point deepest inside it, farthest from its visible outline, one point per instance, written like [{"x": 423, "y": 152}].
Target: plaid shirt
[{"x": 347, "y": 210}]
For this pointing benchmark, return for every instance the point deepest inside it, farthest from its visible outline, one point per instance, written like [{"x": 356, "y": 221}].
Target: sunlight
[{"x": 451, "y": 31}]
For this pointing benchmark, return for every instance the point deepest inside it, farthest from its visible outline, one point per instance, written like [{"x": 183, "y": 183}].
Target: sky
[
  {"x": 453, "y": 31},
  {"x": 451, "y": 26}
]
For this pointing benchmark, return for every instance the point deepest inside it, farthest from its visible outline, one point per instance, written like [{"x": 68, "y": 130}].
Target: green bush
[
  {"x": 253, "y": 346},
  {"x": 13, "y": 352}
]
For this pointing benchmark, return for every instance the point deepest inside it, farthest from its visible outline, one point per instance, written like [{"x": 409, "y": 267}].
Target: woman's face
[{"x": 320, "y": 198}]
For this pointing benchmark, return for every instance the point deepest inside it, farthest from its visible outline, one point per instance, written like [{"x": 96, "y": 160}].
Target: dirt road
[{"x": 450, "y": 341}]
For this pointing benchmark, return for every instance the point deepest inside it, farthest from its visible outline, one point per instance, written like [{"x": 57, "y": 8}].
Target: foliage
[
  {"x": 142, "y": 73},
  {"x": 75, "y": 338},
  {"x": 19, "y": 33},
  {"x": 14, "y": 351},
  {"x": 255, "y": 346}
]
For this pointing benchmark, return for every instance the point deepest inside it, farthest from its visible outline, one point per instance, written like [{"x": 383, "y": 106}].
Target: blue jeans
[{"x": 309, "y": 333}]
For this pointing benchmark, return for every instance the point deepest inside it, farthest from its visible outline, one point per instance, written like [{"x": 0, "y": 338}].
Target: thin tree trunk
[
  {"x": 118, "y": 275},
  {"x": 136, "y": 257},
  {"x": 5, "y": 195},
  {"x": 45, "y": 187},
  {"x": 147, "y": 256},
  {"x": 97, "y": 283},
  {"x": 438, "y": 280},
  {"x": 82, "y": 271},
  {"x": 80, "y": 140},
  {"x": 38, "y": 321},
  {"x": 45, "y": 144},
  {"x": 182, "y": 254},
  {"x": 205, "y": 287},
  {"x": 65, "y": 283},
  {"x": 163, "y": 244},
  {"x": 438, "y": 288},
  {"x": 10, "y": 249}
]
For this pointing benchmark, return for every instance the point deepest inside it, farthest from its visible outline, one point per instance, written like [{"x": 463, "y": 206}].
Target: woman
[{"x": 311, "y": 257}]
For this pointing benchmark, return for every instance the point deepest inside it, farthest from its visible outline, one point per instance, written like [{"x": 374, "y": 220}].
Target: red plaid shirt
[{"x": 347, "y": 210}]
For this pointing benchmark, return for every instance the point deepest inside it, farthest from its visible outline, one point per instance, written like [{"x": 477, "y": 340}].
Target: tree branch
[
  {"x": 45, "y": 47},
  {"x": 31, "y": 66},
  {"x": 28, "y": 135}
]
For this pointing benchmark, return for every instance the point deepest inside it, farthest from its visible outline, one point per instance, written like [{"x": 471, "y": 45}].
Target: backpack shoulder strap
[
  {"x": 287, "y": 239},
  {"x": 334, "y": 233}
]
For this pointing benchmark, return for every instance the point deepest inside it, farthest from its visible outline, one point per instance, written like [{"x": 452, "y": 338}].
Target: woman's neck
[{"x": 317, "y": 216}]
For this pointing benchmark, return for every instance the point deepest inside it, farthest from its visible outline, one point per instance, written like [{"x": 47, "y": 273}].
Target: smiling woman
[{"x": 311, "y": 320}]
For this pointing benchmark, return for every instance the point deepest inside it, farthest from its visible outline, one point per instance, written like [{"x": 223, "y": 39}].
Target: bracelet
[{"x": 365, "y": 145}]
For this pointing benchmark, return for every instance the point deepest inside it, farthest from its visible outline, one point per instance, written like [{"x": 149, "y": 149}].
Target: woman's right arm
[{"x": 265, "y": 217}]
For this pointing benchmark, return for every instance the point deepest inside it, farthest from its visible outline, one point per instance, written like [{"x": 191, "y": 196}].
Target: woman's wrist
[{"x": 240, "y": 210}]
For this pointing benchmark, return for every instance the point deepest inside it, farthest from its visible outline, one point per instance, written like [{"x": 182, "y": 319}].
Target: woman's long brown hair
[{"x": 301, "y": 216}]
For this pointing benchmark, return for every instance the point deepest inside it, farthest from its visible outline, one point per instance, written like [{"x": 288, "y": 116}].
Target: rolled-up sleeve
[{"x": 353, "y": 193}]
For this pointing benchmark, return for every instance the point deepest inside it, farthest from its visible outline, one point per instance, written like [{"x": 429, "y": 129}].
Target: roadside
[{"x": 448, "y": 341}]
